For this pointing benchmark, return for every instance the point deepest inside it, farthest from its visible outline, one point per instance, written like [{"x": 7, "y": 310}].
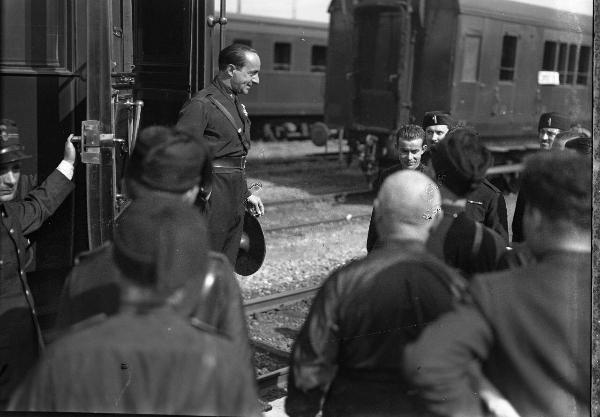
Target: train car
[
  {"x": 64, "y": 62},
  {"x": 479, "y": 60},
  {"x": 293, "y": 57}
]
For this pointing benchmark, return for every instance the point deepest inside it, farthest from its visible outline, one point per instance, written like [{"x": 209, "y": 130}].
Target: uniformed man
[
  {"x": 410, "y": 143},
  {"x": 147, "y": 357},
  {"x": 20, "y": 337},
  {"x": 436, "y": 124},
  {"x": 223, "y": 123},
  {"x": 168, "y": 166},
  {"x": 459, "y": 164},
  {"x": 549, "y": 126},
  {"x": 486, "y": 203}
]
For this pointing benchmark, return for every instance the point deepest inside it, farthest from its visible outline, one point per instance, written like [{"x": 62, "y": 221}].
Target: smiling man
[{"x": 218, "y": 117}]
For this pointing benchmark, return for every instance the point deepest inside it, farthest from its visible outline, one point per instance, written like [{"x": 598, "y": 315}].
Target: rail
[{"x": 275, "y": 301}]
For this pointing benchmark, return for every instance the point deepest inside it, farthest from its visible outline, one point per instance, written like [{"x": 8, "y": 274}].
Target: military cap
[
  {"x": 11, "y": 149},
  {"x": 437, "y": 117},
  {"x": 161, "y": 244},
  {"x": 169, "y": 159},
  {"x": 554, "y": 120},
  {"x": 460, "y": 161}
]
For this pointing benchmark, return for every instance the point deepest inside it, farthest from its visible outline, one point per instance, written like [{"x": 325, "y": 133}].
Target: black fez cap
[
  {"x": 438, "y": 117},
  {"x": 11, "y": 149},
  {"x": 554, "y": 120},
  {"x": 461, "y": 161},
  {"x": 168, "y": 159},
  {"x": 161, "y": 244},
  {"x": 582, "y": 145}
]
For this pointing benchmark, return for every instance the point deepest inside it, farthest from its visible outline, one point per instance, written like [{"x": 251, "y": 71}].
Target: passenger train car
[{"x": 480, "y": 60}]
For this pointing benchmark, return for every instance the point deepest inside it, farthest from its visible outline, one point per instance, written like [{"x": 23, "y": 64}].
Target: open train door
[
  {"x": 383, "y": 63},
  {"x": 172, "y": 55}
]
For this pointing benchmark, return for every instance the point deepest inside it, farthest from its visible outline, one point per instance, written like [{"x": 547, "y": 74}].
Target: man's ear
[{"x": 229, "y": 70}]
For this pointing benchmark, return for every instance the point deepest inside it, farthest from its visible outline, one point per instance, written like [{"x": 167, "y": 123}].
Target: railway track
[{"x": 348, "y": 218}]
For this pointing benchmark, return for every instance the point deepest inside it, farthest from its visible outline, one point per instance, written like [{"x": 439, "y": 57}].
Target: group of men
[{"x": 425, "y": 324}]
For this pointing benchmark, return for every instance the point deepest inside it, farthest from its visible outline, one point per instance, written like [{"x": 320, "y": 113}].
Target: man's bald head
[{"x": 407, "y": 206}]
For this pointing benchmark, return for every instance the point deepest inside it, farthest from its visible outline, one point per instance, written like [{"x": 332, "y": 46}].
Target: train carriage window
[
  {"x": 584, "y": 64},
  {"x": 562, "y": 62},
  {"x": 282, "y": 56},
  {"x": 33, "y": 34},
  {"x": 246, "y": 42},
  {"x": 470, "y": 69},
  {"x": 549, "y": 62},
  {"x": 509, "y": 58},
  {"x": 318, "y": 60},
  {"x": 570, "y": 77}
]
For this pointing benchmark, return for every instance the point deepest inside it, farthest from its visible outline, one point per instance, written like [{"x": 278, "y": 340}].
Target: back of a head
[
  {"x": 407, "y": 200},
  {"x": 460, "y": 161},
  {"x": 160, "y": 245},
  {"x": 559, "y": 185},
  {"x": 234, "y": 54},
  {"x": 169, "y": 160}
]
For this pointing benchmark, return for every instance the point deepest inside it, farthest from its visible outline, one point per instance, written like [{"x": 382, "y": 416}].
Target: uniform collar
[{"x": 224, "y": 88}]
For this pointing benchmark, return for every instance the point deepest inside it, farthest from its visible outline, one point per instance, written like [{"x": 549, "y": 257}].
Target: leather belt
[{"x": 238, "y": 162}]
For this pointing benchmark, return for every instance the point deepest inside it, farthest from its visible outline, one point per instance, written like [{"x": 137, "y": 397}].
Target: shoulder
[{"x": 384, "y": 173}]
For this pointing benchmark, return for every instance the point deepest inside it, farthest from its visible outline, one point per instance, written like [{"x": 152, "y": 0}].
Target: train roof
[
  {"x": 278, "y": 25},
  {"x": 528, "y": 14}
]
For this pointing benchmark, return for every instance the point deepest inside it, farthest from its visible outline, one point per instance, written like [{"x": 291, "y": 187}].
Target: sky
[{"x": 316, "y": 10}]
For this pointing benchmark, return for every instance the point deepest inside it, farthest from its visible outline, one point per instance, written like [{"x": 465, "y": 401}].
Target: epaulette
[{"x": 90, "y": 254}]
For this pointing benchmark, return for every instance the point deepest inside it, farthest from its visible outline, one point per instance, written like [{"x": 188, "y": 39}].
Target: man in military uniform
[
  {"x": 486, "y": 203},
  {"x": 549, "y": 126},
  {"x": 459, "y": 163},
  {"x": 222, "y": 122},
  {"x": 168, "y": 166},
  {"x": 20, "y": 338},
  {"x": 148, "y": 357},
  {"x": 410, "y": 143}
]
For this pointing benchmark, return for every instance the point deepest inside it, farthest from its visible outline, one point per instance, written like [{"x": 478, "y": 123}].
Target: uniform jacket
[
  {"x": 18, "y": 219},
  {"x": 486, "y": 205},
  {"x": 94, "y": 286},
  {"x": 153, "y": 363},
  {"x": 517, "y": 223},
  {"x": 203, "y": 115},
  {"x": 348, "y": 353},
  {"x": 530, "y": 328}
]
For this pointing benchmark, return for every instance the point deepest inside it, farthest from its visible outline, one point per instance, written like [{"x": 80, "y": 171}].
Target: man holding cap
[
  {"x": 222, "y": 123},
  {"x": 549, "y": 126},
  {"x": 21, "y": 339},
  {"x": 486, "y": 203}
]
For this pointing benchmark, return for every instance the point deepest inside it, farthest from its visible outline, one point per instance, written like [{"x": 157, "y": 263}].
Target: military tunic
[
  {"x": 229, "y": 141},
  {"x": 486, "y": 205},
  {"x": 153, "y": 362},
  {"x": 21, "y": 338}
]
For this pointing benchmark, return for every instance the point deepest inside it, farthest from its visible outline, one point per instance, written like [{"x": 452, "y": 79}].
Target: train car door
[
  {"x": 172, "y": 55},
  {"x": 382, "y": 64}
]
